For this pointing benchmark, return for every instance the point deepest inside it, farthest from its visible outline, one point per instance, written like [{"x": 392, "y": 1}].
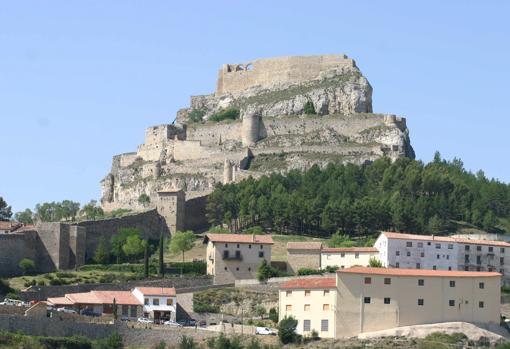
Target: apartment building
[
  {"x": 346, "y": 257},
  {"x": 363, "y": 299},
  {"x": 372, "y": 299},
  {"x": 233, "y": 257},
  {"x": 398, "y": 250},
  {"x": 311, "y": 302}
]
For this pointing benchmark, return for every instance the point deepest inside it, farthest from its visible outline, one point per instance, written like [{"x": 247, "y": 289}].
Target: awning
[{"x": 151, "y": 308}]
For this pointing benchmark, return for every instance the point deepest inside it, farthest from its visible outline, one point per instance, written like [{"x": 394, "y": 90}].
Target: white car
[
  {"x": 144, "y": 320},
  {"x": 66, "y": 310},
  {"x": 172, "y": 323},
  {"x": 265, "y": 331}
]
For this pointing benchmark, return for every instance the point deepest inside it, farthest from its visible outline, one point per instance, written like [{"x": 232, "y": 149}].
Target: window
[
  {"x": 146, "y": 301},
  {"x": 408, "y": 253},
  {"x": 133, "y": 311},
  {"x": 306, "y": 325},
  {"x": 481, "y": 285},
  {"x": 422, "y": 254},
  {"x": 450, "y": 246},
  {"x": 420, "y": 301},
  {"x": 261, "y": 254},
  {"x": 356, "y": 255},
  {"x": 409, "y": 244},
  {"x": 449, "y": 268},
  {"x": 368, "y": 280},
  {"x": 466, "y": 268},
  {"x": 434, "y": 267},
  {"x": 387, "y": 281},
  {"x": 324, "y": 325},
  {"x": 249, "y": 246},
  {"x": 125, "y": 310},
  {"x": 438, "y": 246},
  {"x": 307, "y": 293},
  {"x": 226, "y": 245},
  {"x": 238, "y": 254},
  {"x": 288, "y": 307},
  {"x": 447, "y": 256},
  {"x": 502, "y": 250},
  {"x": 237, "y": 245},
  {"x": 366, "y": 300},
  {"x": 387, "y": 300},
  {"x": 342, "y": 255},
  {"x": 478, "y": 248},
  {"x": 288, "y": 293},
  {"x": 420, "y": 244},
  {"x": 225, "y": 254},
  {"x": 155, "y": 301},
  {"x": 466, "y": 248},
  {"x": 501, "y": 271},
  {"x": 478, "y": 269},
  {"x": 428, "y": 243},
  {"x": 421, "y": 282},
  {"x": 169, "y": 301},
  {"x": 452, "y": 283},
  {"x": 481, "y": 304},
  {"x": 501, "y": 260},
  {"x": 397, "y": 265},
  {"x": 326, "y": 293},
  {"x": 261, "y": 247},
  {"x": 491, "y": 249},
  {"x": 490, "y": 268},
  {"x": 418, "y": 265},
  {"x": 325, "y": 307},
  {"x": 306, "y": 307},
  {"x": 225, "y": 268},
  {"x": 466, "y": 258},
  {"x": 397, "y": 253},
  {"x": 478, "y": 259},
  {"x": 249, "y": 268},
  {"x": 237, "y": 268},
  {"x": 438, "y": 256},
  {"x": 451, "y": 303}
]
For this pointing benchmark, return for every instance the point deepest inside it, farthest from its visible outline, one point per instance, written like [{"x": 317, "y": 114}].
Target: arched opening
[{"x": 249, "y": 67}]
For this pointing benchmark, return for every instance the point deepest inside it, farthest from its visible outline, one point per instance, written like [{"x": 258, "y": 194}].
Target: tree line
[{"x": 404, "y": 195}]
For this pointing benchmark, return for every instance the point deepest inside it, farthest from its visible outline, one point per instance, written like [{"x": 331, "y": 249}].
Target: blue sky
[{"x": 81, "y": 80}]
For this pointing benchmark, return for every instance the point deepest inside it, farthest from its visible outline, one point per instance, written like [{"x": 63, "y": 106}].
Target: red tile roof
[
  {"x": 60, "y": 301},
  {"x": 310, "y": 283},
  {"x": 83, "y": 298},
  {"x": 416, "y": 272},
  {"x": 350, "y": 249},
  {"x": 121, "y": 297},
  {"x": 392, "y": 235},
  {"x": 304, "y": 245},
  {"x": 157, "y": 291},
  {"x": 240, "y": 238}
]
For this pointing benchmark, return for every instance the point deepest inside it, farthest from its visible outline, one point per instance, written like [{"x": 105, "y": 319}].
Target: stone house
[{"x": 303, "y": 254}]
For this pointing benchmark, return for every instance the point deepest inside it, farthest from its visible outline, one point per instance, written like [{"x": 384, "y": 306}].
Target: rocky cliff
[{"x": 267, "y": 115}]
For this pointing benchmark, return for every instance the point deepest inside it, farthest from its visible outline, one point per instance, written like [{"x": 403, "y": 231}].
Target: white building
[
  {"x": 159, "y": 303},
  {"x": 346, "y": 257}
]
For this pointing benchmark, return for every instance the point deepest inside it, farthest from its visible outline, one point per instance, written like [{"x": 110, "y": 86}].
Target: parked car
[
  {"x": 192, "y": 322},
  {"x": 144, "y": 320},
  {"x": 66, "y": 310},
  {"x": 172, "y": 323},
  {"x": 265, "y": 331},
  {"x": 89, "y": 312}
]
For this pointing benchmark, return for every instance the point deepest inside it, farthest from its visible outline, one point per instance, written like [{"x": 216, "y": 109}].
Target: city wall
[{"x": 235, "y": 78}]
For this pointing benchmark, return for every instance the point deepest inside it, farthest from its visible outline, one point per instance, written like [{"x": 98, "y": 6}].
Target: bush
[
  {"x": 273, "y": 315},
  {"x": 196, "y": 115},
  {"x": 30, "y": 283},
  {"x": 287, "y": 330},
  {"x": 64, "y": 275},
  {"x": 197, "y": 268},
  {"x": 57, "y": 282},
  {"x": 331, "y": 269},
  {"x": 227, "y": 114},
  {"x": 505, "y": 289},
  {"x": 265, "y": 271},
  {"x": 309, "y": 271},
  {"x": 41, "y": 283},
  {"x": 160, "y": 345},
  {"x": 314, "y": 335},
  {"x": 309, "y": 109},
  {"x": 27, "y": 266},
  {"x": 75, "y": 342},
  {"x": 187, "y": 343},
  {"x": 12, "y": 295},
  {"x": 144, "y": 199},
  {"x": 374, "y": 263}
]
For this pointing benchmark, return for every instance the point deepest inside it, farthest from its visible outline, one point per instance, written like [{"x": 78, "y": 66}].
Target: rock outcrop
[{"x": 281, "y": 114}]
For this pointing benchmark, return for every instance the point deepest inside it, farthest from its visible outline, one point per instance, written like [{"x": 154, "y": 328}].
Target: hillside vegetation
[{"x": 406, "y": 195}]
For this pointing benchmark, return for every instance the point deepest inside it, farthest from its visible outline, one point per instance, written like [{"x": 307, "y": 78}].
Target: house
[
  {"x": 303, "y": 254},
  {"x": 367, "y": 299},
  {"x": 159, "y": 303},
  {"x": 346, "y": 257},
  {"x": 398, "y": 250},
  {"x": 233, "y": 257},
  {"x": 101, "y": 303},
  {"x": 312, "y": 302}
]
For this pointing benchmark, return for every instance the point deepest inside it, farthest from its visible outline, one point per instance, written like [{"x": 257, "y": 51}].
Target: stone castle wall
[
  {"x": 13, "y": 248},
  {"x": 235, "y": 78}
]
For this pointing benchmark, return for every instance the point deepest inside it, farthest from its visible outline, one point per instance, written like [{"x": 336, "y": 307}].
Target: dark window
[
  {"x": 368, "y": 281},
  {"x": 452, "y": 283},
  {"x": 237, "y": 245},
  {"x": 397, "y": 253},
  {"x": 478, "y": 268},
  {"x": 225, "y": 268},
  {"x": 491, "y": 249},
  {"x": 238, "y": 254},
  {"x": 249, "y": 246},
  {"x": 480, "y": 304},
  {"x": 249, "y": 268},
  {"x": 450, "y": 246},
  {"x": 422, "y": 254},
  {"x": 324, "y": 325},
  {"x": 409, "y": 244},
  {"x": 451, "y": 303},
  {"x": 481, "y": 285},
  {"x": 125, "y": 310},
  {"x": 397, "y": 265},
  {"x": 146, "y": 301},
  {"x": 306, "y": 325},
  {"x": 133, "y": 311},
  {"x": 501, "y": 260},
  {"x": 428, "y": 243},
  {"x": 502, "y": 250},
  {"x": 466, "y": 268},
  {"x": 434, "y": 267},
  {"x": 226, "y": 245},
  {"x": 466, "y": 258},
  {"x": 225, "y": 254},
  {"x": 421, "y": 282},
  {"x": 420, "y": 301},
  {"x": 237, "y": 268},
  {"x": 387, "y": 281},
  {"x": 261, "y": 254},
  {"x": 387, "y": 300},
  {"x": 438, "y": 246},
  {"x": 478, "y": 260},
  {"x": 438, "y": 256},
  {"x": 155, "y": 301},
  {"x": 449, "y": 268},
  {"x": 408, "y": 254},
  {"x": 466, "y": 247},
  {"x": 367, "y": 300},
  {"x": 261, "y": 247},
  {"x": 418, "y": 265},
  {"x": 478, "y": 248}
]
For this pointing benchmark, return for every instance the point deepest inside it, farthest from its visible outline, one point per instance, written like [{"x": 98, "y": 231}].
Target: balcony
[{"x": 229, "y": 257}]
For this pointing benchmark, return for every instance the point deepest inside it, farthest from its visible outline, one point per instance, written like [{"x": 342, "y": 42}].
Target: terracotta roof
[
  {"x": 121, "y": 297},
  {"x": 392, "y": 235},
  {"x": 60, "y": 301},
  {"x": 157, "y": 291},
  {"x": 417, "y": 272},
  {"x": 350, "y": 249},
  {"x": 83, "y": 298},
  {"x": 310, "y": 283},
  {"x": 239, "y": 238},
  {"x": 304, "y": 245}
]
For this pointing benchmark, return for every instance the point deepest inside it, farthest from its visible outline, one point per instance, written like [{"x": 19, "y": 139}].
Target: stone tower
[
  {"x": 170, "y": 205},
  {"x": 250, "y": 129},
  {"x": 227, "y": 172}
]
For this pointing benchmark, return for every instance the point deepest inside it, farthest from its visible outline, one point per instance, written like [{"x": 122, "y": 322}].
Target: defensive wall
[{"x": 235, "y": 78}]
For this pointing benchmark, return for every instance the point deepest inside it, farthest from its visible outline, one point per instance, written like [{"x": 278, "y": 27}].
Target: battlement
[
  {"x": 161, "y": 133},
  {"x": 266, "y": 73}
]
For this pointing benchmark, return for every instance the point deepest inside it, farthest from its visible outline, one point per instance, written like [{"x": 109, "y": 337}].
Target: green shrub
[
  {"x": 27, "y": 266},
  {"x": 331, "y": 269},
  {"x": 75, "y": 342},
  {"x": 287, "y": 330},
  {"x": 273, "y": 315},
  {"x": 30, "y": 283},
  {"x": 12, "y": 295},
  {"x": 64, "y": 275},
  {"x": 41, "y": 283},
  {"x": 196, "y": 115},
  {"x": 309, "y": 271},
  {"x": 187, "y": 343},
  {"x": 57, "y": 282},
  {"x": 144, "y": 199},
  {"x": 227, "y": 114},
  {"x": 309, "y": 109},
  {"x": 505, "y": 289}
]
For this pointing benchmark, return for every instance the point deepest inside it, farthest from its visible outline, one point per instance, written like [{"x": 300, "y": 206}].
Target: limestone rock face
[{"x": 273, "y": 133}]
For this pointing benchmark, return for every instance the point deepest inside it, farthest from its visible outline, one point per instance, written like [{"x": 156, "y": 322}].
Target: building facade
[
  {"x": 233, "y": 257},
  {"x": 303, "y": 254},
  {"x": 312, "y": 302},
  {"x": 346, "y": 257},
  {"x": 159, "y": 303},
  {"x": 398, "y": 250},
  {"x": 366, "y": 299}
]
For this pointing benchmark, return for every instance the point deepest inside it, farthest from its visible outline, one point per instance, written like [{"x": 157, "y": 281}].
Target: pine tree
[{"x": 145, "y": 259}]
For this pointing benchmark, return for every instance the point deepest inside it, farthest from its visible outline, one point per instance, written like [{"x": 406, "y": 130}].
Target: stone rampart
[
  {"x": 13, "y": 248},
  {"x": 266, "y": 73},
  {"x": 195, "y": 218},
  {"x": 215, "y": 133}
]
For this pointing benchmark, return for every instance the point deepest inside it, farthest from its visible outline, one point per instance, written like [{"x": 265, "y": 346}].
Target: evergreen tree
[
  {"x": 5, "y": 211},
  {"x": 161, "y": 255},
  {"x": 145, "y": 259},
  {"x": 101, "y": 255}
]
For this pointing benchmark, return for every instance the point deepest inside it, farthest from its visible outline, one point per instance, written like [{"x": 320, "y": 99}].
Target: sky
[{"x": 81, "y": 80}]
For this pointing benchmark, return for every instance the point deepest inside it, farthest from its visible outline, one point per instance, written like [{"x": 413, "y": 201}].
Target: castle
[{"x": 179, "y": 164}]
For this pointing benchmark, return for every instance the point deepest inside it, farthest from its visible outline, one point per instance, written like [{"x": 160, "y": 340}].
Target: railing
[{"x": 232, "y": 258}]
